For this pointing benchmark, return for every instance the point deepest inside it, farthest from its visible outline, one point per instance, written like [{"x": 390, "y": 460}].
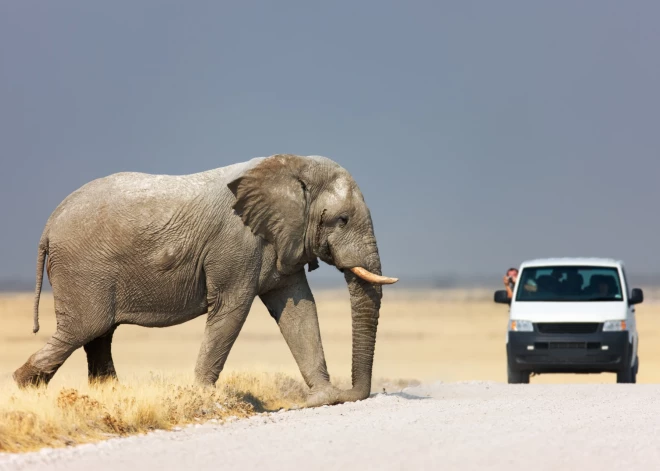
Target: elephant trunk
[{"x": 365, "y": 307}]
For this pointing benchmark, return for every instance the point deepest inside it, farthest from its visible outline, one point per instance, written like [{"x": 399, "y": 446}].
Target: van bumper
[{"x": 568, "y": 353}]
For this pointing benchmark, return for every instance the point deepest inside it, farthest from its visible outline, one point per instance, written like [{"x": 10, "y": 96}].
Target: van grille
[
  {"x": 567, "y": 346},
  {"x": 567, "y": 327}
]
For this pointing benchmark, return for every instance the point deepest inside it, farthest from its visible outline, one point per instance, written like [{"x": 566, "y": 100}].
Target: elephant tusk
[{"x": 373, "y": 278}]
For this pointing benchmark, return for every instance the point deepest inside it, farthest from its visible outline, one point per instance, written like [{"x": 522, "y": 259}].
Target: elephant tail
[{"x": 41, "y": 258}]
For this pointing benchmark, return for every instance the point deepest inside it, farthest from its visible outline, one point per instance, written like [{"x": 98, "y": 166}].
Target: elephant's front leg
[
  {"x": 293, "y": 308},
  {"x": 221, "y": 331}
]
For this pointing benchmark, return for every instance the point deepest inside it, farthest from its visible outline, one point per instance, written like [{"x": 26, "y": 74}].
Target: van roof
[{"x": 593, "y": 261}]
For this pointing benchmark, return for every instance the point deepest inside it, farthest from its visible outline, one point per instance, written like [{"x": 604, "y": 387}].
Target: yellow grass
[
  {"x": 423, "y": 336},
  {"x": 57, "y": 417}
]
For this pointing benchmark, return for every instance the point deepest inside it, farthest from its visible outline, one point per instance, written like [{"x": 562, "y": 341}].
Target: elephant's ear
[{"x": 273, "y": 201}]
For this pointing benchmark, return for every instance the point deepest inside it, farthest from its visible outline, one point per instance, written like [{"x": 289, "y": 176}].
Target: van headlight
[
  {"x": 517, "y": 325},
  {"x": 614, "y": 326}
]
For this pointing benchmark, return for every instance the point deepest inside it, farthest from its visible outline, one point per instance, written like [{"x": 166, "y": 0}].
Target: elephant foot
[
  {"x": 353, "y": 395},
  {"x": 29, "y": 376},
  {"x": 98, "y": 380},
  {"x": 326, "y": 396},
  {"x": 205, "y": 379}
]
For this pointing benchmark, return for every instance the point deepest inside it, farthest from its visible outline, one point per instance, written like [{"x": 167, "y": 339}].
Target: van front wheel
[
  {"x": 517, "y": 377},
  {"x": 627, "y": 375}
]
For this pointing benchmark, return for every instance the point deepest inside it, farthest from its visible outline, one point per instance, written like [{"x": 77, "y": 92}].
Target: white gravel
[{"x": 474, "y": 425}]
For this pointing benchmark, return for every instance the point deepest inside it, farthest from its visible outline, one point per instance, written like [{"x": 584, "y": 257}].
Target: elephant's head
[{"x": 309, "y": 208}]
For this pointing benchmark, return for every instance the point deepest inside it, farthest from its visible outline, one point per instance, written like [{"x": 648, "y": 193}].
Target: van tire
[
  {"x": 627, "y": 375},
  {"x": 517, "y": 377}
]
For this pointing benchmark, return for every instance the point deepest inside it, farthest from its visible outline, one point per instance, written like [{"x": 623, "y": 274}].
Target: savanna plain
[{"x": 424, "y": 336}]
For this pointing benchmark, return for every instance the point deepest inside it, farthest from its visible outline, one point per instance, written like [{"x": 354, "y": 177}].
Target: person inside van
[
  {"x": 595, "y": 283},
  {"x": 603, "y": 288},
  {"x": 607, "y": 287},
  {"x": 548, "y": 284},
  {"x": 572, "y": 285},
  {"x": 558, "y": 274}
]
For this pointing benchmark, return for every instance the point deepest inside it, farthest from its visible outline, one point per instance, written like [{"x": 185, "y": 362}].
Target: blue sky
[{"x": 481, "y": 133}]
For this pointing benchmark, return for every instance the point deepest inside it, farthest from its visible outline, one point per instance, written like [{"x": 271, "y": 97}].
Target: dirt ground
[
  {"x": 425, "y": 336},
  {"x": 449, "y": 426}
]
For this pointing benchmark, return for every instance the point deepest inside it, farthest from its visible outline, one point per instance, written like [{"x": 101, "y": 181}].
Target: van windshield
[{"x": 569, "y": 283}]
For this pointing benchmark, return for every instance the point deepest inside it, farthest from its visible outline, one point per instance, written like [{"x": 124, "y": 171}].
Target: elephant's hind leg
[
  {"x": 73, "y": 331},
  {"x": 100, "y": 366},
  {"x": 40, "y": 368}
]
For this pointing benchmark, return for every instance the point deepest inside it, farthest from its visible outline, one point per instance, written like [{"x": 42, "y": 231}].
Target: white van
[{"x": 572, "y": 315}]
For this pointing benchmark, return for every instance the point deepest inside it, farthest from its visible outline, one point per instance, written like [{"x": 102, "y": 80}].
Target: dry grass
[
  {"x": 426, "y": 336},
  {"x": 55, "y": 417}
]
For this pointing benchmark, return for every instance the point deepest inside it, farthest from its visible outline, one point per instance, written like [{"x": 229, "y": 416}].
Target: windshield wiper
[{"x": 604, "y": 298}]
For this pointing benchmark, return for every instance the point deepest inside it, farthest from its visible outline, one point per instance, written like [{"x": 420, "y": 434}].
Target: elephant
[{"x": 160, "y": 250}]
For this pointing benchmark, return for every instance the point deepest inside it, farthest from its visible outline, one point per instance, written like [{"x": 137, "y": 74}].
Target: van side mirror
[
  {"x": 501, "y": 297},
  {"x": 636, "y": 296}
]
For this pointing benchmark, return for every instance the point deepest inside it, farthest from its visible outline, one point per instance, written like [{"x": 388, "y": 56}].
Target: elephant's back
[
  {"x": 127, "y": 210},
  {"x": 134, "y": 194},
  {"x": 131, "y": 204},
  {"x": 144, "y": 190}
]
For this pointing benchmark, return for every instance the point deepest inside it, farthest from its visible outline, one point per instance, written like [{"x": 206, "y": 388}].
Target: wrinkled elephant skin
[{"x": 159, "y": 250}]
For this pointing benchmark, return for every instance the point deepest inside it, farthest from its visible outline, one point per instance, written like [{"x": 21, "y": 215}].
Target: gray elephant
[{"x": 159, "y": 250}]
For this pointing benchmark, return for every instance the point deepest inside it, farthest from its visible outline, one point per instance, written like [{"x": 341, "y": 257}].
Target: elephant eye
[{"x": 343, "y": 220}]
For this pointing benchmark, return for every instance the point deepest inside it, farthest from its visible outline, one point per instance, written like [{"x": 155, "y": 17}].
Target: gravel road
[{"x": 474, "y": 425}]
